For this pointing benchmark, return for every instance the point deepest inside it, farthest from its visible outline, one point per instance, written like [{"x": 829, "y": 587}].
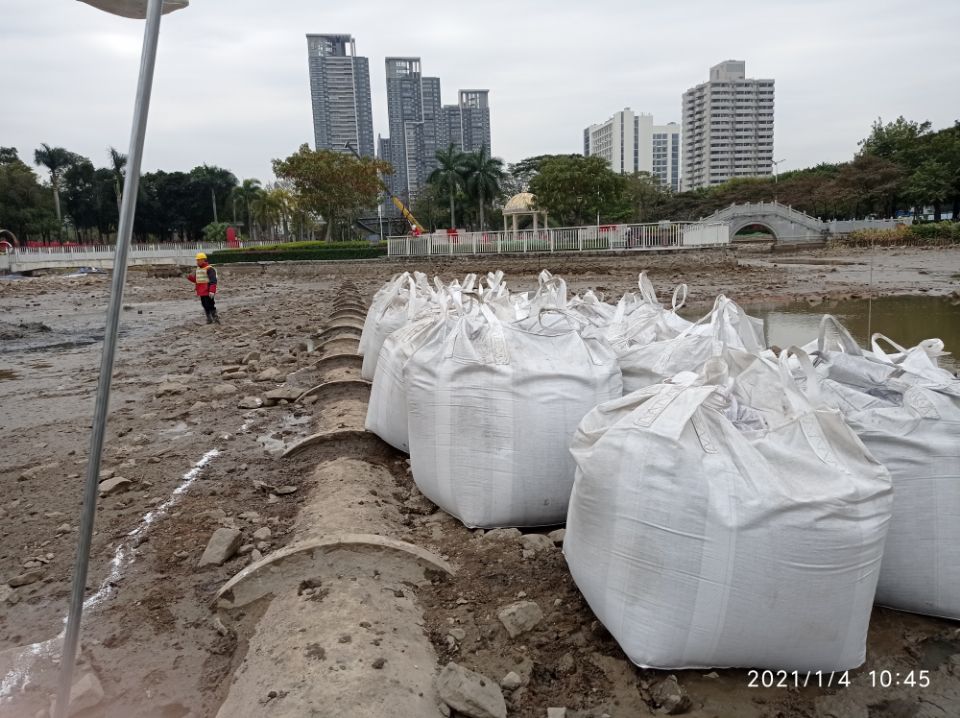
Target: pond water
[{"x": 906, "y": 320}]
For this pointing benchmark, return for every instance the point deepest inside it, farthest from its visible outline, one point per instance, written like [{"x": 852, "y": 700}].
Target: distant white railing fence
[
  {"x": 143, "y": 249},
  {"x": 658, "y": 236}
]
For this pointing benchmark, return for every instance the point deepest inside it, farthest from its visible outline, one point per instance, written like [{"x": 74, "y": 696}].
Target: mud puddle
[{"x": 906, "y": 320}]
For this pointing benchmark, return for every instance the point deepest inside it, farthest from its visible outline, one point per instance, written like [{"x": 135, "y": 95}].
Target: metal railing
[
  {"x": 164, "y": 248},
  {"x": 659, "y": 236}
]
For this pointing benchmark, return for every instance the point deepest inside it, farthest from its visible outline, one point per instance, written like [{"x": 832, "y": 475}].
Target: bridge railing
[{"x": 667, "y": 235}]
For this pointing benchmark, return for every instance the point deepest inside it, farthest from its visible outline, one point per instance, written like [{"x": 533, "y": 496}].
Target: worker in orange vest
[{"x": 205, "y": 279}]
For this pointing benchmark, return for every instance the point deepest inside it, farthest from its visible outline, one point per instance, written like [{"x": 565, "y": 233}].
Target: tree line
[
  {"x": 900, "y": 167},
  {"x": 80, "y": 202}
]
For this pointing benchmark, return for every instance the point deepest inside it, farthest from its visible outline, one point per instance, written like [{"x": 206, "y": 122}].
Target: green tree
[
  {"x": 482, "y": 175},
  {"x": 449, "y": 176},
  {"x": 930, "y": 183},
  {"x": 645, "y": 196},
  {"x": 333, "y": 184},
  {"x": 118, "y": 161},
  {"x": 575, "y": 189},
  {"x": 246, "y": 193},
  {"x": 56, "y": 160},
  {"x": 899, "y": 141},
  {"x": 26, "y": 208},
  {"x": 8, "y": 155}
]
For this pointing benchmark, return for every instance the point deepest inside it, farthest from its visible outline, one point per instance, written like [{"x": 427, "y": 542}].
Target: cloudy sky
[{"x": 232, "y": 86}]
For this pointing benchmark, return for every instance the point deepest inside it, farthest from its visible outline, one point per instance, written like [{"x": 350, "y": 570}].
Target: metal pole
[
  {"x": 124, "y": 233},
  {"x": 213, "y": 198}
]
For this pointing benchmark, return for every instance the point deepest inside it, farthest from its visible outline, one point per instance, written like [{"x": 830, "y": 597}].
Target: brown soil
[{"x": 151, "y": 638}]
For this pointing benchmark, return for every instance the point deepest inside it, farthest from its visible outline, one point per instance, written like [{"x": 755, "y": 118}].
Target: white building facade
[
  {"x": 727, "y": 127},
  {"x": 630, "y": 142}
]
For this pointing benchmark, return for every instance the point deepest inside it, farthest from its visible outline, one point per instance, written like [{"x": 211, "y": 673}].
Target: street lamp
[
  {"x": 150, "y": 10},
  {"x": 776, "y": 168}
]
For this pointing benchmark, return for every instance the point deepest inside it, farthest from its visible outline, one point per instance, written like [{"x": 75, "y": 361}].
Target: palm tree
[
  {"x": 449, "y": 176},
  {"x": 248, "y": 192},
  {"x": 119, "y": 161},
  {"x": 55, "y": 159},
  {"x": 483, "y": 176}
]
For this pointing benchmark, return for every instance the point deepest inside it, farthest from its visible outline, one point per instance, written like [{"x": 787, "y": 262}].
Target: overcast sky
[{"x": 232, "y": 85}]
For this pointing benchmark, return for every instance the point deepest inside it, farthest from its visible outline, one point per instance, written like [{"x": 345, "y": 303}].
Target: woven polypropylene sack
[
  {"x": 387, "y": 408},
  {"x": 912, "y": 425},
  {"x": 727, "y": 325},
  {"x": 699, "y": 545},
  {"x": 492, "y": 408}
]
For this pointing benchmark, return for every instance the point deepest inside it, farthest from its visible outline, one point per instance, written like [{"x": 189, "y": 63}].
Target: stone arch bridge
[{"x": 788, "y": 225}]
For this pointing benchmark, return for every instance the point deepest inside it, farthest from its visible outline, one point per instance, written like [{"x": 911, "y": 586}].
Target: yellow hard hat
[{"x": 201, "y": 255}]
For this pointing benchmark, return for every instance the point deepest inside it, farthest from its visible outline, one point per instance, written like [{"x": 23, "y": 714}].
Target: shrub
[
  {"x": 215, "y": 232},
  {"x": 326, "y": 252},
  {"x": 918, "y": 234}
]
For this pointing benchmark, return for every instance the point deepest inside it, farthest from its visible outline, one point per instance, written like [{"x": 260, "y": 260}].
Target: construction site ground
[{"x": 149, "y": 633}]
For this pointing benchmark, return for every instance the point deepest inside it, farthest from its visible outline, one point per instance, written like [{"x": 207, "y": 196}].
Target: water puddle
[{"x": 906, "y": 320}]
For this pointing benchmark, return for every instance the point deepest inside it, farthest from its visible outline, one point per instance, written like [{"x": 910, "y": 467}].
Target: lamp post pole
[
  {"x": 776, "y": 174},
  {"x": 154, "y": 9}
]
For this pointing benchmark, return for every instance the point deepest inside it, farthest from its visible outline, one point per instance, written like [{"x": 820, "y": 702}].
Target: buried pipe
[
  {"x": 339, "y": 345},
  {"x": 331, "y": 391},
  {"x": 336, "y": 367},
  {"x": 347, "y": 314},
  {"x": 332, "y": 622},
  {"x": 344, "y": 329}
]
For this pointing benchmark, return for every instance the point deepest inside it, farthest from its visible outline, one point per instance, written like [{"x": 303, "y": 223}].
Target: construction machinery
[{"x": 415, "y": 226}]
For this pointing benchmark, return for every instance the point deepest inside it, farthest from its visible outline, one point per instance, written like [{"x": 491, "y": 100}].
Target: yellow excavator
[{"x": 415, "y": 226}]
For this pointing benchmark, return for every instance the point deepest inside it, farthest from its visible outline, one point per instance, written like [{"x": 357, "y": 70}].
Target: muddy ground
[{"x": 148, "y": 633}]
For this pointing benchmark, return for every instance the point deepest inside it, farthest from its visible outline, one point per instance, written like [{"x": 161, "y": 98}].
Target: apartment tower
[
  {"x": 340, "y": 95},
  {"x": 727, "y": 127},
  {"x": 630, "y": 142}
]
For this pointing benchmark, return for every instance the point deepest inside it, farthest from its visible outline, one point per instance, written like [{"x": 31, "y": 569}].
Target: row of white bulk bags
[
  {"x": 398, "y": 307},
  {"x": 492, "y": 407},
  {"x": 389, "y": 289},
  {"x": 699, "y": 543},
  {"x": 657, "y": 359},
  {"x": 907, "y": 412}
]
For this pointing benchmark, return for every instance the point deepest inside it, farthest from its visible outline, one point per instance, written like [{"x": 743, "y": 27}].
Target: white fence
[
  {"x": 100, "y": 251},
  {"x": 649, "y": 237}
]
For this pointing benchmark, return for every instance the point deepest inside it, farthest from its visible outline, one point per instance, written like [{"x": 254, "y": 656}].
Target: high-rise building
[
  {"x": 451, "y": 130},
  {"x": 475, "y": 119},
  {"x": 727, "y": 127},
  {"x": 405, "y": 118},
  {"x": 420, "y": 124},
  {"x": 340, "y": 94},
  {"x": 466, "y": 125},
  {"x": 630, "y": 142},
  {"x": 432, "y": 120}
]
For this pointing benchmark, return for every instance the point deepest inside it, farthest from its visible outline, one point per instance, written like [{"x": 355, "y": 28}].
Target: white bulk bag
[
  {"x": 727, "y": 325},
  {"x": 700, "y": 545},
  {"x": 387, "y": 408},
  {"x": 400, "y": 306},
  {"x": 492, "y": 407},
  {"x": 912, "y": 425},
  {"x": 380, "y": 297}
]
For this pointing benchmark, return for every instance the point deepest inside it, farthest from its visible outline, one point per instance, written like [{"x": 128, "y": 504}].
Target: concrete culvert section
[
  {"x": 350, "y": 315},
  {"x": 339, "y": 345},
  {"x": 340, "y": 329},
  {"x": 340, "y": 404},
  {"x": 344, "y": 440},
  {"x": 332, "y": 622},
  {"x": 344, "y": 304},
  {"x": 338, "y": 367}
]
